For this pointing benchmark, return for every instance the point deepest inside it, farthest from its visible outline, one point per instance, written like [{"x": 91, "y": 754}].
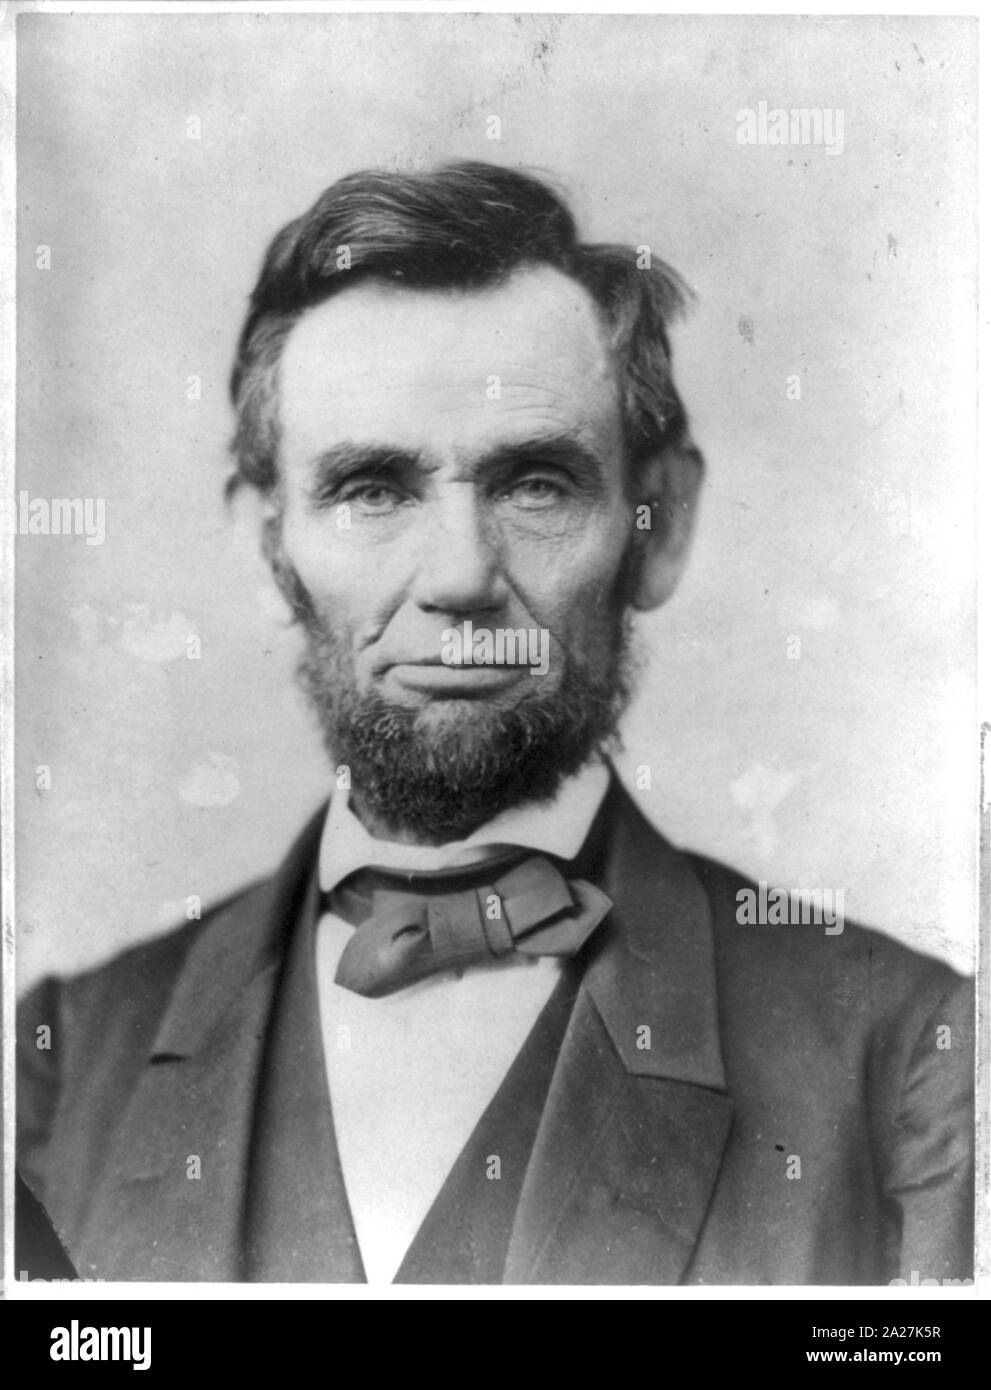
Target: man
[{"x": 485, "y": 1024}]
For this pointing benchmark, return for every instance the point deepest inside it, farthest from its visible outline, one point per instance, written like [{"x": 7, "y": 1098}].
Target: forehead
[{"x": 448, "y": 371}]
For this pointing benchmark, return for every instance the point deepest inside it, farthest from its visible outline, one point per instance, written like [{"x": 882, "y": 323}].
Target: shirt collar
[{"x": 559, "y": 827}]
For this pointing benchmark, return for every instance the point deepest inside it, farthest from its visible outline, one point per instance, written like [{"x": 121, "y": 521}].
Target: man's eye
[
  {"x": 373, "y": 497},
  {"x": 535, "y": 492}
]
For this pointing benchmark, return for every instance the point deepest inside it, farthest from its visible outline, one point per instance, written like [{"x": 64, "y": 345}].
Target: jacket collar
[{"x": 656, "y": 963}]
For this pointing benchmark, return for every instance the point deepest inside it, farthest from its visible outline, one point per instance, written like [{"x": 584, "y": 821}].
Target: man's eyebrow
[
  {"x": 336, "y": 463},
  {"x": 562, "y": 449},
  {"x": 340, "y": 460}
]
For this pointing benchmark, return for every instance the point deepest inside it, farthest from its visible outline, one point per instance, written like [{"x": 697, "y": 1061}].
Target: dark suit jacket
[{"x": 796, "y": 1119}]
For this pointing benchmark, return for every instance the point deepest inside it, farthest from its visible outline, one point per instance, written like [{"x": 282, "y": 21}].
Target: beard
[{"x": 436, "y": 775}]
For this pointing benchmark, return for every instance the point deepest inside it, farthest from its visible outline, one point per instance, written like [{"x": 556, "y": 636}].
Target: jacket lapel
[
  {"x": 298, "y": 1226},
  {"x": 171, "y": 1202},
  {"x": 637, "y": 1116}
]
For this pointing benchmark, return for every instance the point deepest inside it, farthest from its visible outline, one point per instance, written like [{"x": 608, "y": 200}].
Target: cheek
[
  {"x": 571, "y": 582},
  {"x": 338, "y": 572}
]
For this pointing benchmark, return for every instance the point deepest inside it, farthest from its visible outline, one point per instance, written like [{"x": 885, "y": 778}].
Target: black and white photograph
[{"x": 491, "y": 737}]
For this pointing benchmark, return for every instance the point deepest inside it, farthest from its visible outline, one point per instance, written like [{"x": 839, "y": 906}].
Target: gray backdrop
[{"x": 844, "y": 518}]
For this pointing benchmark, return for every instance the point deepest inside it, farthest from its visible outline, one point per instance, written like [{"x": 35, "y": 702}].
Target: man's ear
[
  {"x": 255, "y": 513},
  {"x": 257, "y": 518},
  {"x": 670, "y": 483}
]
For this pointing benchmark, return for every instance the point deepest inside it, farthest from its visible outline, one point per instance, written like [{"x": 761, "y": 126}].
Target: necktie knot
[{"x": 529, "y": 908}]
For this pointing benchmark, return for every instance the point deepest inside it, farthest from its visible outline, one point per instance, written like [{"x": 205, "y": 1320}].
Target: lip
[{"x": 468, "y": 680}]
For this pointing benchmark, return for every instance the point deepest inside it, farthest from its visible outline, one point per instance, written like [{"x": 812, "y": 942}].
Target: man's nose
[{"x": 459, "y": 563}]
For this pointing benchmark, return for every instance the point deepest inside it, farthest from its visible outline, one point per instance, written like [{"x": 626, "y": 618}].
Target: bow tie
[{"x": 529, "y": 908}]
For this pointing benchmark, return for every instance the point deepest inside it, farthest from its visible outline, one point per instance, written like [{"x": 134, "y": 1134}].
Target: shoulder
[
  {"x": 775, "y": 940},
  {"x": 83, "y": 1039},
  {"x": 120, "y": 1001},
  {"x": 770, "y": 946}
]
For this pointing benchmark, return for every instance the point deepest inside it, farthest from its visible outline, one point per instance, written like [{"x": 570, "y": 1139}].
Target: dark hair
[{"x": 461, "y": 226}]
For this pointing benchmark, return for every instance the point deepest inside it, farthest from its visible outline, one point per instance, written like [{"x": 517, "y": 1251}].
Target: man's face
[{"x": 476, "y": 440}]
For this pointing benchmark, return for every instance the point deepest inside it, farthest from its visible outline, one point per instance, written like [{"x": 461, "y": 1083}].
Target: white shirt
[{"x": 411, "y": 1074}]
